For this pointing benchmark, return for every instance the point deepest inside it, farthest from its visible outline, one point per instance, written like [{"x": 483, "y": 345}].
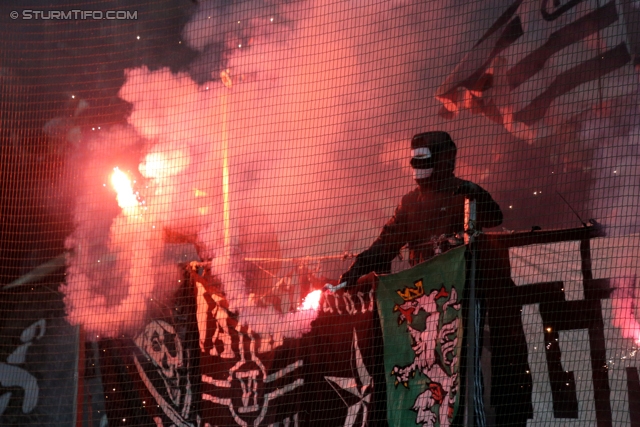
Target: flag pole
[
  {"x": 469, "y": 237},
  {"x": 40, "y": 272},
  {"x": 226, "y": 80}
]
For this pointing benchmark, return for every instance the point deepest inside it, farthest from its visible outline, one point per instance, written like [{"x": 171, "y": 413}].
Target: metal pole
[
  {"x": 225, "y": 176},
  {"x": 226, "y": 80},
  {"x": 470, "y": 229},
  {"x": 39, "y": 272}
]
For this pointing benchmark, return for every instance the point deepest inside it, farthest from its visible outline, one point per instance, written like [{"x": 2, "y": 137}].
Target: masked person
[{"x": 429, "y": 219}]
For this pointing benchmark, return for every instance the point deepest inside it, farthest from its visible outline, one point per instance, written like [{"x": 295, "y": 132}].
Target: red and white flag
[{"x": 542, "y": 63}]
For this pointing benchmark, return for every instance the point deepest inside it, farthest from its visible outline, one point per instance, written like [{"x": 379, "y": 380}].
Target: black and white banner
[
  {"x": 564, "y": 328},
  {"x": 150, "y": 379},
  {"x": 39, "y": 360},
  {"x": 324, "y": 378}
]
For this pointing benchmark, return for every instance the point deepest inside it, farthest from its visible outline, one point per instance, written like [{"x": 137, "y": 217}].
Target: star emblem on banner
[{"x": 360, "y": 386}]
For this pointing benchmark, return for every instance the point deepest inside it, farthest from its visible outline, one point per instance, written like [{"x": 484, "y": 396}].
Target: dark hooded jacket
[{"x": 426, "y": 214}]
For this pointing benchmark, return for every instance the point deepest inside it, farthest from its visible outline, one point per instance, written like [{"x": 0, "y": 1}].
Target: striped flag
[{"x": 542, "y": 63}]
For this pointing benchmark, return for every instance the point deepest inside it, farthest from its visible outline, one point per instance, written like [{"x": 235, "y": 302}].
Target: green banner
[{"x": 421, "y": 318}]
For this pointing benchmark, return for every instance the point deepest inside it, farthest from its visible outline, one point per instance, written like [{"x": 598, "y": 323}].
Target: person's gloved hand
[
  {"x": 468, "y": 189},
  {"x": 335, "y": 288},
  {"x": 353, "y": 284},
  {"x": 345, "y": 282}
]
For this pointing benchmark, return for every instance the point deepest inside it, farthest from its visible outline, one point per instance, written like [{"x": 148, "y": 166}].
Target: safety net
[{"x": 287, "y": 213}]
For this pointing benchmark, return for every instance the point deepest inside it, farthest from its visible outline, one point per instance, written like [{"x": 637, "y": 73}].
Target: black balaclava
[{"x": 434, "y": 151}]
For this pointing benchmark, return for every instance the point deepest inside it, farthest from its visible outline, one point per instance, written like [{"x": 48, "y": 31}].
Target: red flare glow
[
  {"x": 154, "y": 165},
  {"x": 127, "y": 200},
  {"x": 311, "y": 301}
]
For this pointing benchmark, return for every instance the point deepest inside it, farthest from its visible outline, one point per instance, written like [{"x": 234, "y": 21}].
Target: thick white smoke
[
  {"x": 261, "y": 319},
  {"x": 311, "y": 100},
  {"x": 324, "y": 98},
  {"x": 117, "y": 266}
]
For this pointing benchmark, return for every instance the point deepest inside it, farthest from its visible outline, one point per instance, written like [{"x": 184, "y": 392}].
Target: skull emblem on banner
[{"x": 161, "y": 344}]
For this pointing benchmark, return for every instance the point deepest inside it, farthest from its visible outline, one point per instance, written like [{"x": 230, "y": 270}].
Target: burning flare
[
  {"x": 127, "y": 198},
  {"x": 311, "y": 301}
]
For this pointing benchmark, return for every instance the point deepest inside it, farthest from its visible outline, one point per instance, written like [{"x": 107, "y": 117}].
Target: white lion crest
[{"x": 443, "y": 386}]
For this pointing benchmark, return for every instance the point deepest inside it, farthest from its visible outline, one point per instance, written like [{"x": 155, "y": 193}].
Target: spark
[{"x": 138, "y": 37}]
